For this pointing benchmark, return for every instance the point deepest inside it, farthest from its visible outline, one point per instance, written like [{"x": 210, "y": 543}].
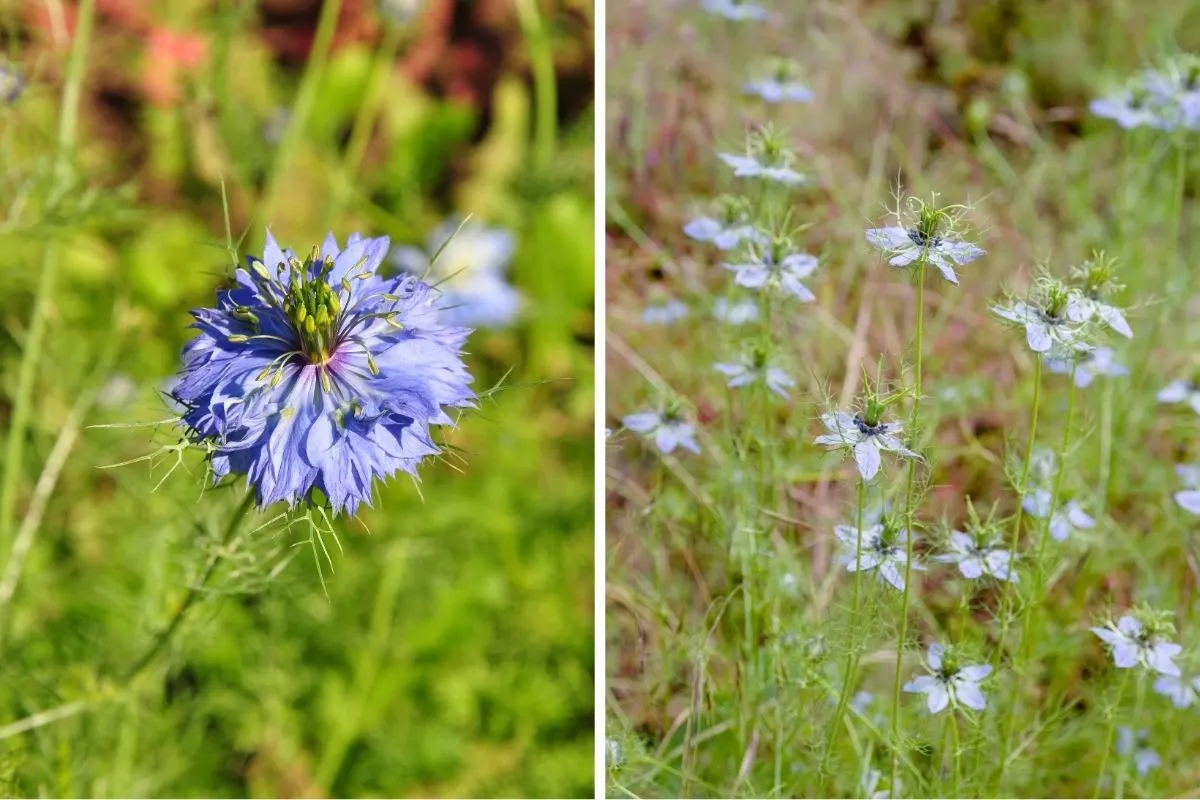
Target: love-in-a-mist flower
[
  {"x": 321, "y": 375},
  {"x": 665, "y": 312},
  {"x": 767, "y": 156},
  {"x": 729, "y": 227},
  {"x": 1134, "y": 644},
  {"x": 466, "y": 262},
  {"x": 1087, "y": 362},
  {"x": 1189, "y": 497},
  {"x": 1044, "y": 317},
  {"x": 978, "y": 556},
  {"x": 1182, "y": 391},
  {"x": 1066, "y": 519},
  {"x": 11, "y": 84},
  {"x": 926, "y": 234},
  {"x": 775, "y": 267},
  {"x": 884, "y": 551},
  {"x": 950, "y": 683},
  {"x": 735, "y": 10},
  {"x": 668, "y": 428},
  {"x": 779, "y": 82},
  {"x": 735, "y": 312},
  {"x": 1132, "y": 106},
  {"x": 1183, "y": 691},
  {"x": 1164, "y": 98},
  {"x": 1130, "y": 743},
  {"x": 864, "y": 435},
  {"x": 752, "y": 368},
  {"x": 1097, "y": 283}
]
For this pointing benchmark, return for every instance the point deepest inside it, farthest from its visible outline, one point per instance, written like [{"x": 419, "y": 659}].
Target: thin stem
[
  {"x": 1108, "y": 737},
  {"x": 544, "y": 89},
  {"x": 31, "y": 351},
  {"x": 956, "y": 754},
  {"x": 194, "y": 592},
  {"x": 1119, "y": 789},
  {"x": 910, "y": 511},
  {"x": 852, "y": 653}
]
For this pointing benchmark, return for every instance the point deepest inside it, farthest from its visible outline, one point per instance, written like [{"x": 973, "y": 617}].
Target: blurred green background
[{"x": 451, "y": 653}]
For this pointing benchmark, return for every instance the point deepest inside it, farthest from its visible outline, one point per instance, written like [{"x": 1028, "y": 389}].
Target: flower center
[
  {"x": 866, "y": 429},
  {"x": 922, "y": 239},
  {"x": 313, "y": 307}
]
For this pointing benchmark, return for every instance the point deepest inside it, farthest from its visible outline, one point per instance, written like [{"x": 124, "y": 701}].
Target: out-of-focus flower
[
  {"x": 1183, "y": 692},
  {"x": 668, "y": 428},
  {"x": 735, "y": 312},
  {"x": 883, "y": 551},
  {"x": 1189, "y": 498},
  {"x": 767, "y": 156},
  {"x": 1181, "y": 391},
  {"x": 11, "y": 84},
  {"x": 754, "y": 368},
  {"x": 667, "y": 312},
  {"x": 1133, "y": 644},
  {"x": 779, "y": 82},
  {"x": 1063, "y": 520},
  {"x": 735, "y": 10},
  {"x": 1087, "y": 362},
  {"x": 1131, "y": 743},
  {"x": 764, "y": 268},
  {"x": 728, "y": 228}
]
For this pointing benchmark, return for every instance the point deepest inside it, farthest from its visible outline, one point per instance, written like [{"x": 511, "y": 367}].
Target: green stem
[
  {"x": 1119, "y": 789},
  {"x": 197, "y": 587},
  {"x": 852, "y": 653},
  {"x": 1108, "y": 738},
  {"x": 540, "y": 53},
  {"x": 909, "y": 514},
  {"x": 956, "y": 755},
  {"x": 32, "y": 350}
]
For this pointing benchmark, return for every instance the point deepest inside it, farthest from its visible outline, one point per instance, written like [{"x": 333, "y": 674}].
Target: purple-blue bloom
[
  {"x": 750, "y": 166},
  {"x": 776, "y": 91},
  {"x": 787, "y": 273},
  {"x": 735, "y": 312},
  {"x": 668, "y": 429},
  {"x": 468, "y": 272},
  {"x": 321, "y": 375},
  {"x": 665, "y": 313},
  {"x": 725, "y": 235}
]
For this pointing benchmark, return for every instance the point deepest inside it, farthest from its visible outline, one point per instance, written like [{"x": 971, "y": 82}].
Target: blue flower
[
  {"x": 668, "y": 429},
  {"x": 949, "y": 683},
  {"x": 1182, "y": 692},
  {"x": 750, "y": 370},
  {"x": 1063, "y": 521},
  {"x": 468, "y": 272},
  {"x": 736, "y": 312},
  {"x": 903, "y": 246},
  {"x": 735, "y": 10},
  {"x": 1128, "y": 742},
  {"x": 1132, "y": 108},
  {"x": 725, "y": 235},
  {"x": 1132, "y": 645},
  {"x": 884, "y": 551},
  {"x": 864, "y": 440},
  {"x": 1046, "y": 329},
  {"x": 320, "y": 376},
  {"x": 11, "y": 84},
  {"x": 1181, "y": 391},
  {"x": 773, "y": 90},
  {"x": 1088, "y": 363},
  {"x": 1189, "y": 498},
  {"x": 766, "y": 271},
  {"x": 978, "y": 558},
  {"x": 666, "y": 313},
  {"x": 751, "y": 166}
]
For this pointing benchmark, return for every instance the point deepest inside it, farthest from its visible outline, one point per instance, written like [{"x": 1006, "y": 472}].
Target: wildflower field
[
  {"x": 902, "y": 398},
  {"x": 162, "y": 631}
]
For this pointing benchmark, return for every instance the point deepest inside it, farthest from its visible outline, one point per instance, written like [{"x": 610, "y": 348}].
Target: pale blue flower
[
  {"x": 863, "y": 440},
  {"x": 884, "y": 552},
  {"x": 1133, "y": 108},
  {"x": 747, "y": 372},
  {"x": 1133, "y": 645},
  {"x": 1182, "y": 692},
  {"x": 749, "y": 166},
  {"x": 948, "y": 684},
  {"x": 1088, "y": 363},
  {"x": 736, "y": 312},
  {"x": 1189, "y": 498},
  {"x": 1063, "y": 521},
  {"x": 1129, "y": 743},
  {"x": 1082, "y": 308},
  {"x": 665, "y": 313},
  {"x": 773, "y": 90},
  {"x": 902, "y": 247},
  {"x": 668, "y": 430},
  {"x": 724, "y": 235},
  {"x": 1182, "y": 391},
  {"x": 735, "y": 10},
  {"x": 1043, "y": 331},
  {"x": 786, "y": 274},
  {"x": 975, "y": 559}
]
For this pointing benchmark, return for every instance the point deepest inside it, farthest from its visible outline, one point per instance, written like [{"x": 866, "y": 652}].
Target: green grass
[
  {"x": 730, "y": 626},
  {"x": 450, "y": 650}
]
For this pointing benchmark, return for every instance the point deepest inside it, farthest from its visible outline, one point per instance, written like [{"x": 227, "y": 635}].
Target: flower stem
[
  {"x": 193, "y": 594},
  {"x": 909, "y": 513},
  {"x": 1108, "y": 737},
  {"x": 851, "y": 667},
  {"x": 1132, "y": 754}
]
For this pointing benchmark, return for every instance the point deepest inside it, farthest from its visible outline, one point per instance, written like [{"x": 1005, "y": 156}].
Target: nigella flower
[
  {"x": 1133, "y": 107},
  {"x": 1182, "y": 692},
  {"x": 666, "y": 313},
  {"x": 320, "y": 375},
  {"x": 949, "y": 683},
  {"x": 977, "y": 558},
  {"x": 753, "y": 368},
  {"x": 1130, "y": 743},
  {"x": 1181, "y": 391},
  {"x": 668, "y": 428},
  {"x": 735, "y": 10},
  {"x": 1082, "y": 308},
  {"x": 779, "y": 83},
  {"x": 11, "y": 84},
  {"x": 1132, "y": 644},
  {"x": 1088, "y": 363},
  {"x": 466, "y": 263},
  {"x": 1189, "y": 498},
  {"x": 865, "y": 439},
  {"x": 1064, "y": 520},
  {"x": 769, "y": 268},
  {"x": 767, "y": 156},
  {"x": 729, "y": 228},
  {"x": 1045, "y": 319},
  {"x": 884, "y": 551},
  {"x": 737, "y": 312},
  {"x": 928, "y": 239}
]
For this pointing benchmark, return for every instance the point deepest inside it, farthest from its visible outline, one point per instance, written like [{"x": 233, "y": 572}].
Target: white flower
[
  {"x": 1189, "y": 498},
  {"x": 1064, "y": 520},
  {"x": 865, "y": 441},
  {"x": 666, "y": 313},
  {"x": 1088, "y": 363},
  {"x": 975, "y": 560},
  {"x": 1181, "y": 392},
  {"x": 1132, "y": 645},
  {"x": 904, "y": 246},
  {"x": 1081, "y": 308},
  {"x": 1183, "y": 692},
  {"x": 947, "y": 685},
  {"x": 1144, "y": 758},
  {"x": 881, "y": 553},
  {"x": 747, "y": 372},
  {"x": 737, "y": 312},
  {"x": 1042, "y": 331},
  {"x": 748, "y": 166},
  {"x": 787, "y": 274},
  {"x": 668, "y": 430}
]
